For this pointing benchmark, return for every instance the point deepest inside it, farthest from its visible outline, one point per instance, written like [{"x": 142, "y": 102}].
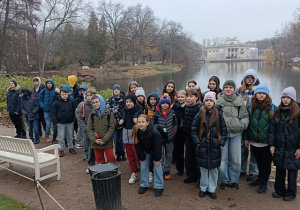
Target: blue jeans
[
  {"x": 229, "y": 171},
  {"x": 86, "y": 143},
  {"x": 118, "y": 141},
  {"x": 208, "y": 179},
  {"x": 65, "y": 131},
  {"x": 33, "y": 125},
  {"x": 47, "y": 116},
  {"x": 79, "y": 135},
  {"x": 252, "y": 165},
  {"x": 158, "y": 174},
  {"x": 167, "y": 152}
]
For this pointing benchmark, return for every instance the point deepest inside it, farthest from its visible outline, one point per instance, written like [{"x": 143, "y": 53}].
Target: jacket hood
[
  {"x": 154, "y": 94},
  {"x": 50, "y": 80},
  {"x": 67, "y": 87},
  {"x": 102, "y": 105},
  {"x": 72, "y": 79},
  {"x": 85, "y": 87},
  {"x": 26, "y": 93},
  {"x": 16, "y": 88},
  {"x": 39, "y": 79},
  {"x": 250, "y": 72},
  {"x": 159, "y": 111}
]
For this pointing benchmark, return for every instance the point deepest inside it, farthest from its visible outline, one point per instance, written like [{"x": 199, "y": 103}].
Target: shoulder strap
[{"x": 83, "y": 110}]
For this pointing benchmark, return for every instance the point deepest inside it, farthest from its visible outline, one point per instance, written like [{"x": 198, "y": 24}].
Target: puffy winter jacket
[
  {"x": 116, "y": 106},
  {"x": 150, "y": 141},
  {"x": 286, "y": 139},
  {"x": 83, "y": 120},
  {"x": 101, "y": 126},
  {"x": 166, "y": 120},
  {"x": 208, "y": 153},
  {"x": 189, "y": 114},
  {"x": 47, "y": 97},
  {"x": 30, "y": 108},
  {"x": 150, "y": 111},
  {"x": 62, "y": 111},
  {"x": 258, "y": 129},
  {"x": 179, "y": 112},
  {"x": 13, "y": 100},
  {"x": 235, "y": 113}
]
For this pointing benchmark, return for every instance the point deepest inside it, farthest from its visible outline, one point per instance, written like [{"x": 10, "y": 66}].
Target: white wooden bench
[{"x": 23, "y": 152}]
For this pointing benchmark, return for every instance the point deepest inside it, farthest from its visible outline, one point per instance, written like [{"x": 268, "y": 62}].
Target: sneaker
[
  {"x": 158, "y": 192},
  {"x": 36, "y": 141},
  {"x": 167, "y": 176},
  {"x": 24, "y": 137},
  {"x": 189, "y": 180},
  {"x": 288, "y": 198},
  {"x": 118, "y": 158},
  {"x": 251, "y": 177},
  {"x": 61, "y": 153},
  {"x": 212, "y": 195},
  {"x": 235, "y": 186},
  {"x": 255, "y": 183},
  {"x": 87, "y": 171},
  {"x": 223, "y": 186},
  {"x": 133, "y": 178},
  {"x": 262, "y": 188},
  {"x": 78, "y": 146},
  {"x": 277, "y": 194},
  {"x": 47, "y": 139},
  {"x": 150, "y": 177},
  {"x": 179, "y": 173},
  {"x": 72, "y": 151},
  {"x": 85, "y": 158},
  {"x": 202, "y": 194},
  {"x": 124, "y": 158},
  {"x": 142, "y": 190}
]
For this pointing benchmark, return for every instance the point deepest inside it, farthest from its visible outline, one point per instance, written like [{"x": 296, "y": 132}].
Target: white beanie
[
  {"x": 140, "y": 92},
  {"x": 210, "y": 95},
  {"x": 289, "y": 92}
]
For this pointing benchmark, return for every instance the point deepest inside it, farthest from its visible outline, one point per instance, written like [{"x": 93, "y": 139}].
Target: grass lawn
[{"x": 9, "y": 204}]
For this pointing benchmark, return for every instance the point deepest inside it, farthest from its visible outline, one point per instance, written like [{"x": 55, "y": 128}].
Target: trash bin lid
[{"x": 104, "y": 167}]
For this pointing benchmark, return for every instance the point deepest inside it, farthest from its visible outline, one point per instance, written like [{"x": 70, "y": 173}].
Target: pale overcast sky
[{"x": 245, "y": 19}]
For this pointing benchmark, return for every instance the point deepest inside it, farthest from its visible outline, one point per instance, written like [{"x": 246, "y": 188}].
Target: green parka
[
  {"x": 258, "y": 129},
  {"x": 102, "y": 126},
  {"x": 234, "y": 112}
]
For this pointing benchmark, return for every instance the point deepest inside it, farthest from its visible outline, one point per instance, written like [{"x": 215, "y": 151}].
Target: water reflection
[{"x": 276, "y": 76}]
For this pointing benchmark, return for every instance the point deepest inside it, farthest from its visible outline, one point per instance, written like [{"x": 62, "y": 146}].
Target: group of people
[{"x": 209, "y": 134}]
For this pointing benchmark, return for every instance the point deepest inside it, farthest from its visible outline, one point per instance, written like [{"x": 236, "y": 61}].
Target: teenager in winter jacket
[
  {"x": 116, "y": 105},
  {"x": 284, "y": 142},
  {"x": 214, "y": 85},
  {"x": 152, "y": 102},
  {"x": 30, "y": 109},
  {"x": 37, "y": 88},
  {"x": 165, "y": 120},
  {"x": 148, "y": 143},
  {"x": 13, "y": 102},
  {"x": 62, "y": 115},
  {"x": 100, "y": 129},
  {"x": 191, "y": 109},
  {"x": 209, "y": 134},
  {"x": 46, "y": 99},
  {"x": 237, "y": 119},
  {"x": 249, "y": 84},
  {"x": 261, "y": 111},
  {"x": 178, "y": 152}
]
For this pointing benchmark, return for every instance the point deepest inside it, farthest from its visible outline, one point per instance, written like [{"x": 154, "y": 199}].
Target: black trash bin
[{"x": 106, "y": 181}]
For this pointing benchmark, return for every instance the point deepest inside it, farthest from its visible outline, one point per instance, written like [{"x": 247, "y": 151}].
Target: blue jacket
[{"x": 47, "y": 97}]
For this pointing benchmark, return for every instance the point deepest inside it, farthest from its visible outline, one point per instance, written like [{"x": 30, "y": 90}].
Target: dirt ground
[{"x": 74, "y": 191}]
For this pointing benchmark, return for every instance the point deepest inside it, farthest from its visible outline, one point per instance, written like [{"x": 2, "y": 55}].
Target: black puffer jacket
[
  {"x": 179, "y": 112},
  {"x": 13, "y": 100},
  {"x": 286, "y": 139},
  {"x": 208, "y": 153},
  {"x": 62, "y": 111},
  {"x": 187, "y": 120},
  {"x": 129, "y": 114},
  {"x": 150, "y": 141}
]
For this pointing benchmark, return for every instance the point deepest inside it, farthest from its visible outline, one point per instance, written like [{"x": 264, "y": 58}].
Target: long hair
[
  {"x": 217, "y": 81},
  {"x": 202, "y": 115},
  {"x": 132, "y": 83},
  {"x": 245, "y": 87},
  {"x": 173, "y": 93},
  {"x": 265, "y": 105},
  {"x": 136, "y": 128},
  {"x": 293, "y": 113}
]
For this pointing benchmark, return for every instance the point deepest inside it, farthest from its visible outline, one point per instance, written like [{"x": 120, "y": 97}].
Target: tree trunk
[{"x": 3, "y": 36}]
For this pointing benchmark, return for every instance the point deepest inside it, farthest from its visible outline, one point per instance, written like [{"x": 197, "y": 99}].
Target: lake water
[{"x": 277, "y": 77}]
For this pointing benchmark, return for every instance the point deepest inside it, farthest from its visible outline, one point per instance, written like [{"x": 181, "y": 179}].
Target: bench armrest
[{"x": 54, "y": 146}]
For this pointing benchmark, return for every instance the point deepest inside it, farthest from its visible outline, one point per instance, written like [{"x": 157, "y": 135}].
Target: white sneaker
[
  {"x": 133, "y": 178},
  {"x": 78, "y": 146},
  {"x": 150, "y": 177},
  {"x": 87, "y": 171}
]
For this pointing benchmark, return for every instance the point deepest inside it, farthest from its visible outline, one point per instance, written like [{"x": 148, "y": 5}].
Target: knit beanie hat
[
  {"x": 262, "y": 88},
  {"x": 15, "y": 82},
  {"x": 210, "y": 95},
  {"x": 132, "y": 97},
  {"x": 140, "y": 92},
  {"x": 116, "y": 86},
  {"x": 229, "y": 82},
  {"x": 290, "y": 92},
  {"x": 165, "y": 99}
]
